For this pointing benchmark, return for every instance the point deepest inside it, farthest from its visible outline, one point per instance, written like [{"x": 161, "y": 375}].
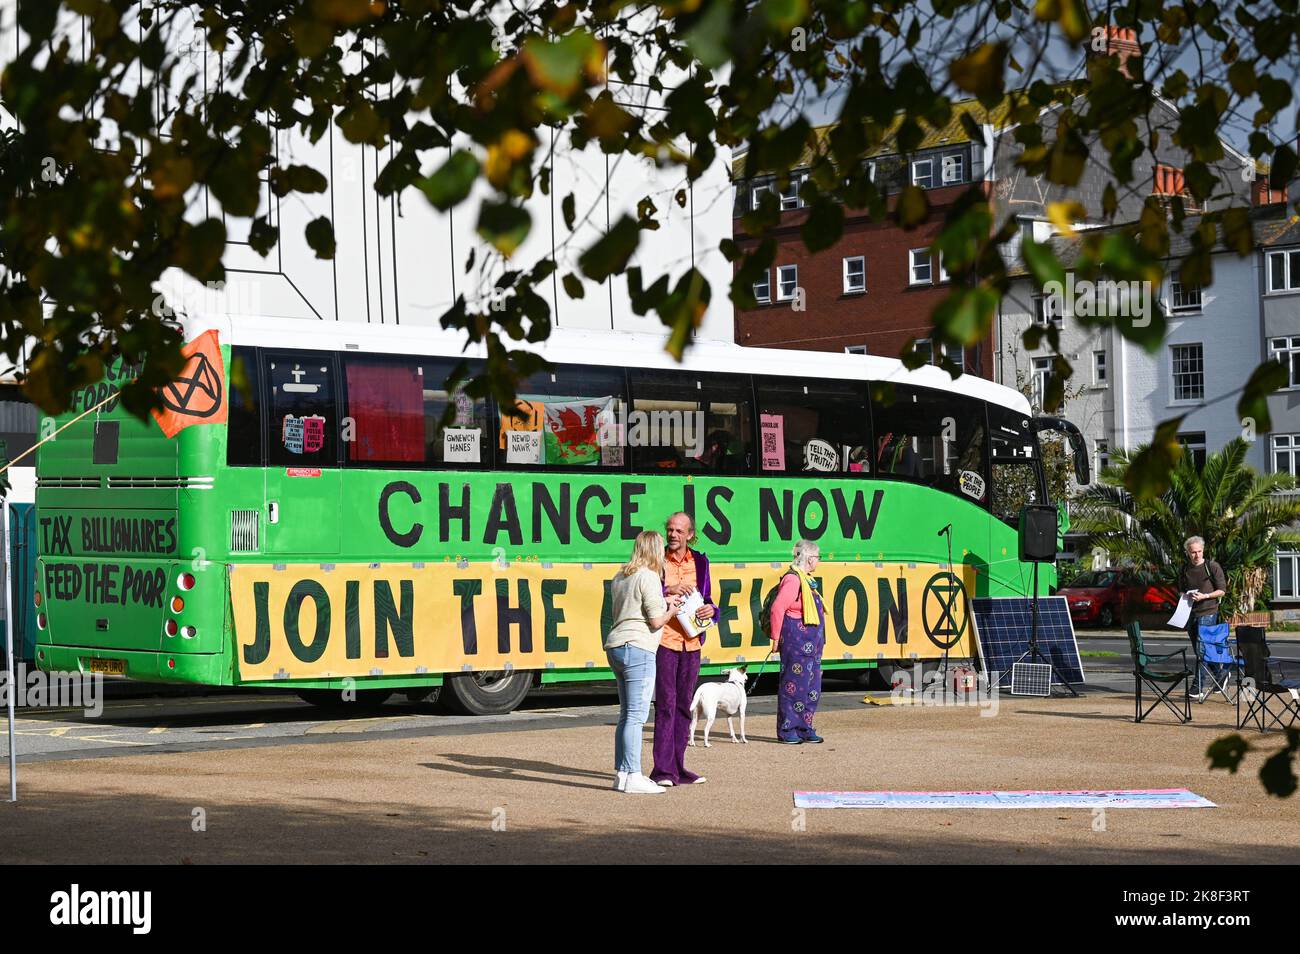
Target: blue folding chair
[{"x": 1218, "y": 662}]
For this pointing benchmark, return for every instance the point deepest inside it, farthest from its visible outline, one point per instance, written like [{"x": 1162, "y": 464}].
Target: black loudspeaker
[{"x": 1038, "y": 533}]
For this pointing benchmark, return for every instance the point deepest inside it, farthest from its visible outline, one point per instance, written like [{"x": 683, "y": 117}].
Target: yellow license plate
[{"x": 109, "y": 667}]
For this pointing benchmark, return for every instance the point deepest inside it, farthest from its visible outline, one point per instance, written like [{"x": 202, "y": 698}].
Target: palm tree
[{"x": 1242, "y": 514}]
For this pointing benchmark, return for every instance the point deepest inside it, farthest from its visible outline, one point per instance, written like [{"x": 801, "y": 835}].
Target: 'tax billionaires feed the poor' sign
[{"x": 299, "y": 621}]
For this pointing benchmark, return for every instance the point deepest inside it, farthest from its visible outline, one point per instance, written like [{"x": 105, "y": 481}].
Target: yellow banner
[{"x": 300, "y": 621}]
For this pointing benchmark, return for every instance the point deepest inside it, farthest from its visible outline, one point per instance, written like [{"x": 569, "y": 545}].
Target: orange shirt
[{"x": 679, "y": 570}]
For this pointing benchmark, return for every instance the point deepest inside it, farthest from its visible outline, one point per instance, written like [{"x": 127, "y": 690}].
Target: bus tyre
[
  {"x": 333, "y": 698},
  {"x": 485, "y": 693}
]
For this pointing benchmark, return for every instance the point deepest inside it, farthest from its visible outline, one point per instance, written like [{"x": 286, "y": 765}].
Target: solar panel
[{"x": 1003, "y": 626}]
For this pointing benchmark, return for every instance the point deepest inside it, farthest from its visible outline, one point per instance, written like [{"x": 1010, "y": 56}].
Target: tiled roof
[{"x": 949, "y": 134}]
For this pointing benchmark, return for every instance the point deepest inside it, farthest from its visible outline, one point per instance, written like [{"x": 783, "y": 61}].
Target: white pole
[{"x": 9, "y": 652}]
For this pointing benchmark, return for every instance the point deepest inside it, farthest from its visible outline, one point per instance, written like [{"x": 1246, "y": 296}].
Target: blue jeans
[
  {"x": 1194, "y": 634},
  {"x": 634, "y": 669}
]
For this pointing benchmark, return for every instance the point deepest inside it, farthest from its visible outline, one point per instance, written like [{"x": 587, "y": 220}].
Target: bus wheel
[
  {"x": 333, "y": 698},
  {"x": 485, "y": 693}
]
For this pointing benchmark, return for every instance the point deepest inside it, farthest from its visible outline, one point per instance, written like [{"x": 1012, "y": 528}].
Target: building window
[
  {"x": 1103, "y": 455},
  {"x": 790, "y": 194},
  {"x": 1284, "y": 271},
  {"x": 1194, "y": 444},
  {"x": 954, "y": 169},
  {"x": 925, "y": 348},
  {"x": 855, "y": 275},
  {"x": 763, "y": 289},
  {"x": 956, "y": 354},
  {"x": 1184, "y": 298},
  {"x": 923, "y": 173},
  {"x": 1287, "y": 350},
  {"x": 1042, "y": 379},
  {"x": 943, "y": 272},
  {"x": 1189, "y": 372},
  {"x": 1287, "y": 575},
  {"x": 855, "y": 349},
  {"x": 1286, "y": 454},
  {"x": 871, "y": 171},
  {"x": 787, "y": 281},
  {"x": 756, "y": 196},
  {"x": 1048, "y": 308},
  {"x": 920, "y": 267},
  {"x": 1099, "y": 368}
]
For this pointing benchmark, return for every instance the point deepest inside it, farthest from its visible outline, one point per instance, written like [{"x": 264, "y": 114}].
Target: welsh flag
[{"x": 572, "y": 430}]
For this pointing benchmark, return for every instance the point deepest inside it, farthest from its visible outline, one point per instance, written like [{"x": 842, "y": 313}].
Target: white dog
[{"x": 728, "y": 696}]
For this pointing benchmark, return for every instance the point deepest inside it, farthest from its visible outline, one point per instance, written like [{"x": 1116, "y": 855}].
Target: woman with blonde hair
[
  {"x": 798, "y": 624},
  {"x": 639, "y": 611}
]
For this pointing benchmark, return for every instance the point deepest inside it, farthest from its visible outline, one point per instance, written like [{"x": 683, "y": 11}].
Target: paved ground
[{"x": 533, "y": 787}]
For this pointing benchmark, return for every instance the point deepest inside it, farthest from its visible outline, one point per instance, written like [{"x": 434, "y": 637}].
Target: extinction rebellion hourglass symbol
[{"x": 943, "y": 610}]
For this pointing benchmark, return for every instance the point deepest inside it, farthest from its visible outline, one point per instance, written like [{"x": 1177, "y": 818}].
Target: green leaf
[
  {"x": 573, "y": 285},
  {"x": 262, "y": 236},
  {"x": 1147, "y": 476},
  {"x": 320, "y": 236},
  {"x": 452, "y": 181},
  {"x": 1253, "y": 405},
  {"x": 612, "y": 251},
  {"x": 558, "y": 67},
  {"x": 567, "y": 209},
  {"x": 981, "y": 73},
  {"x": 201, "y": 248},
  {"x": 707, "y": 40},
  {"x": 504, "y": 226},
  {"x": 913, "y": 207},
  {"x": 1227, "y": 752},
  {"x": 783, "y": 15},
  {"x": 824, "y": 225},
  {"x": 297, "y": 179}
]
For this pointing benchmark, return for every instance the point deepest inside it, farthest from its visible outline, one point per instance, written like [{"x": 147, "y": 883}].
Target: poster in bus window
[
  {"x": 820, "y": 456},
  {"x": 772, "y": 428},
  {"x": 460, "y": 445},
  {"x": 303, "y": 435},
  {"x": 532, "y": 414},
  {"x": 523, "y": 447},
  {"x": 571, "y": 430}
]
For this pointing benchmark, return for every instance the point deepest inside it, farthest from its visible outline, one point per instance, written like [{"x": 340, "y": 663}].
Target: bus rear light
[
  {"x": 40, "y": 620},
  {"x": 185, "y": 581},
  {"x": 189, "y": 632},
  {"x": 169, "y": 627},
  {"x": 178, "y": 604},
  {"x": 171, "y": 664}
]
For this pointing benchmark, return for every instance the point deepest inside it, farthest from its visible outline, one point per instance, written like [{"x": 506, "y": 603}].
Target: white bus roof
[{"x": 608, "y": 348}]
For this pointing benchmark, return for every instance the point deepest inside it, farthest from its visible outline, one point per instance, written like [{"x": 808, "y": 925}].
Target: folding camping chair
[
  {"x": 1155, "y": 671},
  {"x": 1216, "y": 654},
  {"x": 1271, "y": 698}
]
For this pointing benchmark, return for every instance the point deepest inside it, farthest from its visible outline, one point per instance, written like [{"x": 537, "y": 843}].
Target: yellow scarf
[{"x": 810, "y": 617}]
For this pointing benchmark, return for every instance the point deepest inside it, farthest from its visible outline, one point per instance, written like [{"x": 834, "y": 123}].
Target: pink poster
[{"x": 772, "y": 427}]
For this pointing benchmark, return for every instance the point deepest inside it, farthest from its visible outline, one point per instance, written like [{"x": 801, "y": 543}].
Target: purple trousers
[{"x": 675, "y": 676}]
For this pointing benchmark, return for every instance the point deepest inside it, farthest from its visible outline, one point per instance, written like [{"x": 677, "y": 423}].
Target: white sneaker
[
  {"x": 620, "y": 782},
  {"x": 638, "y": 784},
  {"x": 665, "y": 782}
]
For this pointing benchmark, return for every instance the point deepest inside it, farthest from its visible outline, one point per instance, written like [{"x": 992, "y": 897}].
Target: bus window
[
  {"x": 684, "y": 420},
  {"x": 931, "y": 437},
  {"x": 244, "y": 423},
  {"x": 1015, "y": 464},
  {"x": 301, "y": 423},
  {"x": 567, "y": 417},
  {"x": 395, "y": 406},
  {"x": 811, "y": 426}
]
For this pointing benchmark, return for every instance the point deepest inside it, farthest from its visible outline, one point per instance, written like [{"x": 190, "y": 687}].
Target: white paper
[
  {"x": 523, "y": 447},
  {"x": 460, "y": 445},
  {"x": 1182, "y": 614},
  {"x": 686, "y": 614}
]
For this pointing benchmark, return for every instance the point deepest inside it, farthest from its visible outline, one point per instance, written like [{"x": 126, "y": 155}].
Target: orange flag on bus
[{"x": 198, "y": 395}]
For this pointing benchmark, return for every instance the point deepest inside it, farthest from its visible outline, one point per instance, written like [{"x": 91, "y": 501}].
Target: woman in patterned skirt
[{"x": 799, "y": 618}]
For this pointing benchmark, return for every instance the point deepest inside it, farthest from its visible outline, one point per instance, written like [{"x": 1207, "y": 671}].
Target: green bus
[{"x": 302, "y": 513}]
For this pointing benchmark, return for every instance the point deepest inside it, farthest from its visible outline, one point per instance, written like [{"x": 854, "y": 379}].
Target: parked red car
[{"x": 1107, "y": 597}]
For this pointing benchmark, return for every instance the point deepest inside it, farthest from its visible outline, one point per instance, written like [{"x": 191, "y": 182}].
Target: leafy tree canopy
[{"x": 87, "y": 233}]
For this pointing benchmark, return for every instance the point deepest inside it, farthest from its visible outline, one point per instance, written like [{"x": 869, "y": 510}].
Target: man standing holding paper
[
  {"x": 1202, "y": 581},
  {"x": 677, "y": 664}
]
